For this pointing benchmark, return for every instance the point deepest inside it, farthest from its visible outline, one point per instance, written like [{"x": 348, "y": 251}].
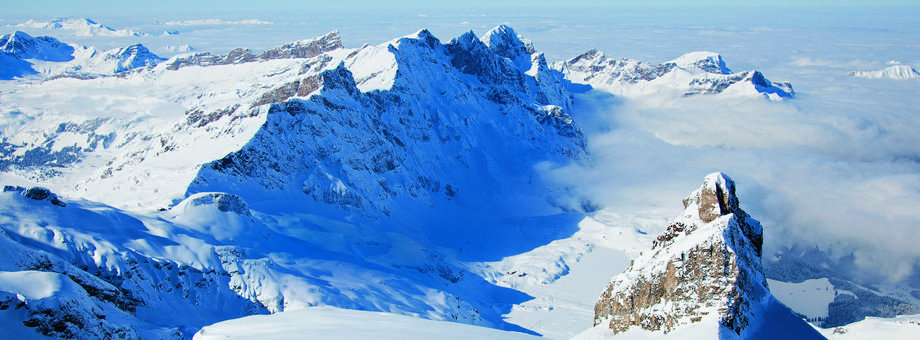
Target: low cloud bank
[{"x": 840, "y": 171}]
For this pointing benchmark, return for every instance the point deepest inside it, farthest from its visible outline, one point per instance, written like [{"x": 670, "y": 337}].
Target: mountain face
[
  {"x": 690, "y": 74},
  {"x": 398, "y": 137},
  {"x": 705, "y": 272}
]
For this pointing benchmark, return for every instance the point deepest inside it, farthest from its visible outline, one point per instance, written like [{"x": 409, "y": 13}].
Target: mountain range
[{"x": 149, "y": 198}]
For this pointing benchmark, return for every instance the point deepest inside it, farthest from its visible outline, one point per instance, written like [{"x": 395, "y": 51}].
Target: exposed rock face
[
  {"x": 299, "y": 49},
  {"x": 707, "y": 261},
  {"x": 715, "y": 198},
  {"x": 225, "y": 202},
  {"x": 36, "y": 193}
]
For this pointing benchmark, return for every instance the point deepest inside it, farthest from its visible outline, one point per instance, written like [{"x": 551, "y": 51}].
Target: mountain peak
[
  {"x": 504, "y": 41},
  {"x": 716, "y": 197},
  {"x": 23, "y": 46},
  {"x": 132, "y": 57},
  {"x": 704, "y": 272},
  {"x": 702, "y": 61},
  {"x": 896, "y": 71}
]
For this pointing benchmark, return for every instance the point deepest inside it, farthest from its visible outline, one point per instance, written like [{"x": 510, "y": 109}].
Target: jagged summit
[
  {"x": 703, "y": 273},
  {"x": 503, "y": 41},
  {"x": 716, "y": 197},
  {"x": 702, "y": 61}
]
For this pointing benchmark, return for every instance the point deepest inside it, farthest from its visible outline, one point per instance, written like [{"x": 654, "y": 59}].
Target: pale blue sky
[{"x": 57, "y": 8}]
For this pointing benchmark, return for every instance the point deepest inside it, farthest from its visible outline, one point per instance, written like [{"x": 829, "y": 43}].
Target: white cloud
[
  {"x": 201, "y": 22},
  {"x": 839, "y": 172}
]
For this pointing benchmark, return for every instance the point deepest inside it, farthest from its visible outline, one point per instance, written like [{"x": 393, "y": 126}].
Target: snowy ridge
[
  {"x": 690, "y": 74},
  {"x": 897, "y": 72},
  {"x": 48, "y": 58},
  {"x": 23, "y": 46},
  {"x": 80, "y": 27},
  {"x": 704, "y": 268}
]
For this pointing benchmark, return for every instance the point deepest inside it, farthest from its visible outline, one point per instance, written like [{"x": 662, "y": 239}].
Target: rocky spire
[{"x": 705, "y": 267}]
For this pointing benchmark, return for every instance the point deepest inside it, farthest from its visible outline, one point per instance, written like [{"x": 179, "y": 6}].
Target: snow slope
[
  {"x": 335, "y": 323},
  {"x": 901, "y": 327}
]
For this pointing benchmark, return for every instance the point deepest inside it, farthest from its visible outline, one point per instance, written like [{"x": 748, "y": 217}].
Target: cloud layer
[{"x": 840, "y": 171}]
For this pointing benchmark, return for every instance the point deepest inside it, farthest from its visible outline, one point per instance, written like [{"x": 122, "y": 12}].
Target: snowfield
[{"x": 335, "y": 323}]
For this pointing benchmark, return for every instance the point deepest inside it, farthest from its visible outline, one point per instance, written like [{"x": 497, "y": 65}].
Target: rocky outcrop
[
  {"x": 223, "y": 201},
  {"x": 707, "y": 262},
  {"x": 36, "y": 193}
]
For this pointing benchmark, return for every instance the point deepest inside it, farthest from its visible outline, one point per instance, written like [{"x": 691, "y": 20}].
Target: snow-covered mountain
[
  {"x": 80, "y": 27},
  {"x": 25, "y": 55},
  {"x": 703, "y": 278},
  {"x": 897, "y": 72},
  {"x": 359, "y": 178},
  {"x": 23, "y": 46},
  {"x": 690, "y": 74}
]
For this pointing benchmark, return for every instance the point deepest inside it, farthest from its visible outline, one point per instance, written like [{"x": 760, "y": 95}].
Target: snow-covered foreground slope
[
  {"x": 335, "y": 323},
  {"x": 901, "y": 327}
]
